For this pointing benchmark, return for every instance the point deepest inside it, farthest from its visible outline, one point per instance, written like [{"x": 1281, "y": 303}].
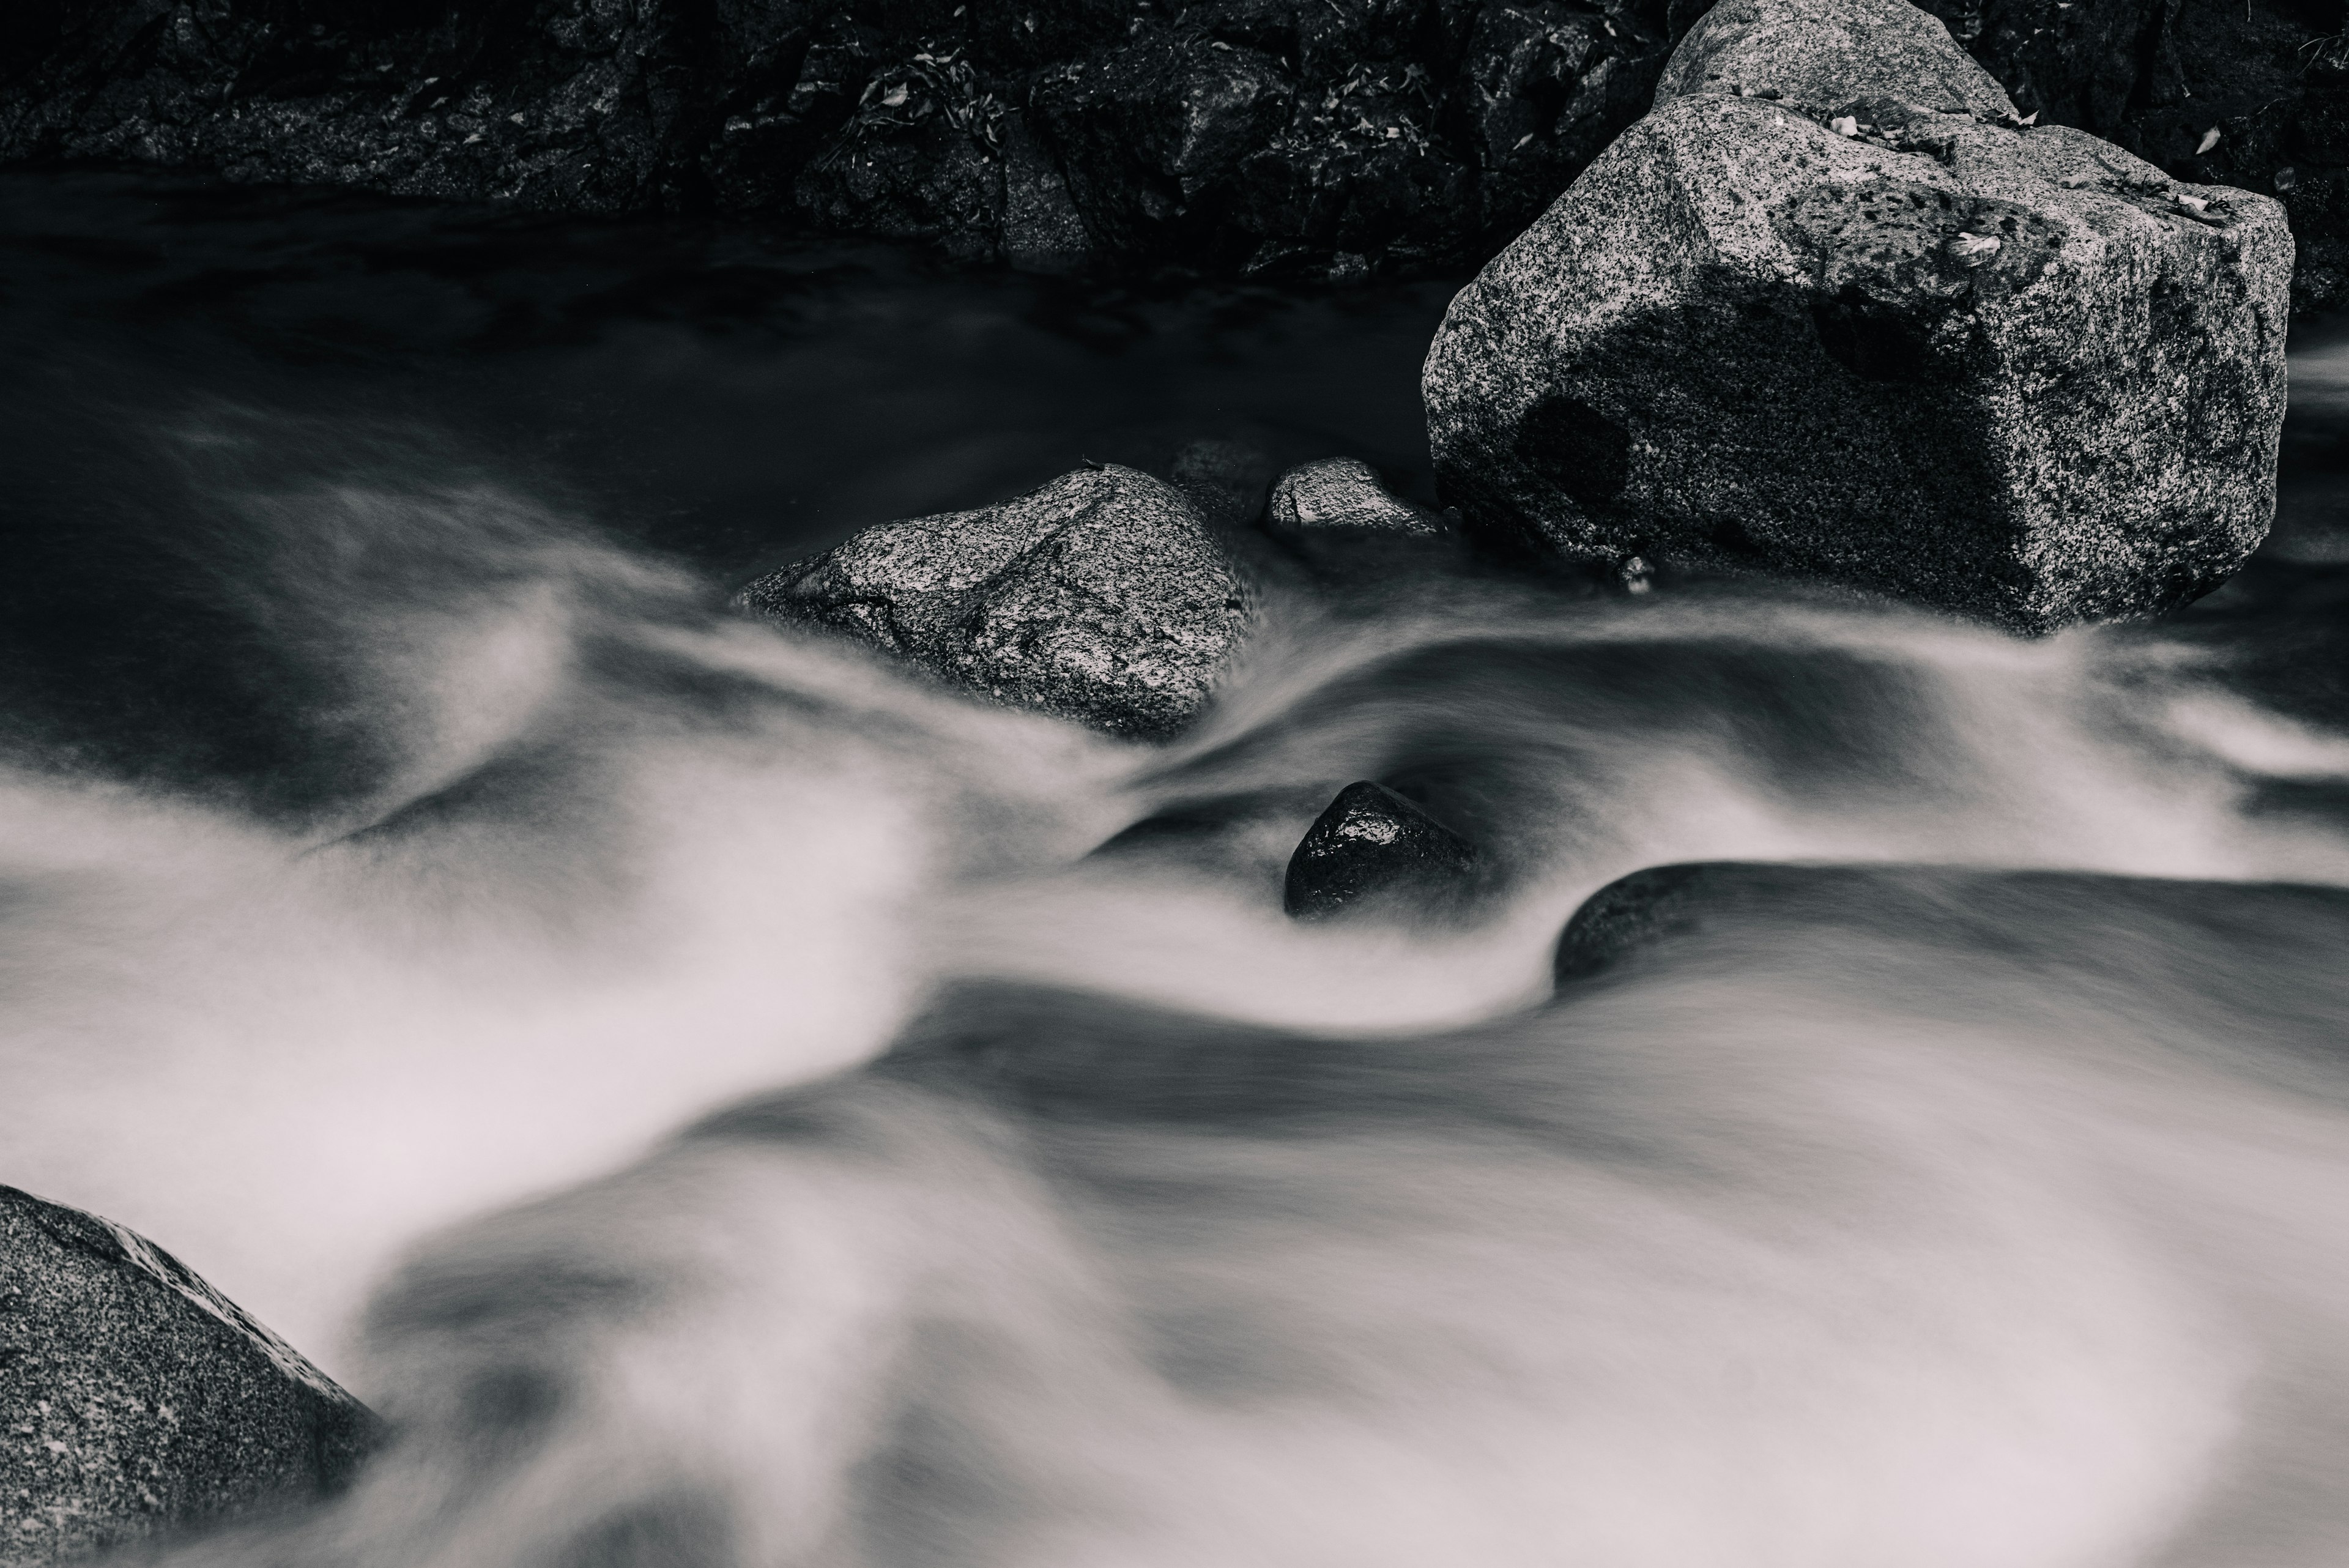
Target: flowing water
[{"x": 399, "y": 835}]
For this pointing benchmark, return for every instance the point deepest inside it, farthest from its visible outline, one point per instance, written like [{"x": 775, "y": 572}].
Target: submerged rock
[
  {"x": 1102, "y": 598},
  {"x": 134, "y": 1398},
  {"x": 1344, "y": 493},
  {"x": 1831, "y": 310},
  {"x": 1664, "y": 912},
  {"x": 1371, "y": 841}
]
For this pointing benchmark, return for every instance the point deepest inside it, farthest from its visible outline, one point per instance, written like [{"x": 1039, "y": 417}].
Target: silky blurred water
[{"x": 396, "y": 827}]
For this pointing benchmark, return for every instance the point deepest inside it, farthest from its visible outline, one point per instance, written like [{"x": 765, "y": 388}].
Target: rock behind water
[
  {"x": 1372, "y": 841},
  {"x": 1102, "y": 598},
  {"x": 1344, "y": 493},
  {"x": 134, "y": 1398},
  {"x": 1829, "y": 311}
]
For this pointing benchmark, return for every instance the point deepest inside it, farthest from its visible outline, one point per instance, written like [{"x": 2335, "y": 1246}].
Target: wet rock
[
  {"x": 1344, "y": 493},
  {"x": 1102, "y": 598},
  {"x": 1372, "y": 841},
  {"x": 135, "y": 1398},
  {"x": 1830, "y": 311}
]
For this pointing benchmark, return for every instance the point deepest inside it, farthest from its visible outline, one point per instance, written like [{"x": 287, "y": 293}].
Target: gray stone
[
  {"x": 1830, "y": 310},
  {"x": 135, "y": 1398},
  {"x": 1102, "y": 598},
  {"x": 1344, "y": 493}
]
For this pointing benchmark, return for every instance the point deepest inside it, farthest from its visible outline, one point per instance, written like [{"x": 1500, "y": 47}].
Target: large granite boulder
[
  {"x": 135, "y": 1398},
  {"x": 1833, "y": 310},
  {"x": 1103, "y": 598}
]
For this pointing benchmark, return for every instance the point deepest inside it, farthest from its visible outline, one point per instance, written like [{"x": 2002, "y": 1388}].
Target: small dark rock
[
  {"x": 1344, "y": 493},
  {"x": 1370, "y": 840},
  {"x": 1226, "y": 480},
  {"x": 135, "y": 1398},
  {"x": 1102, "y": 598}
]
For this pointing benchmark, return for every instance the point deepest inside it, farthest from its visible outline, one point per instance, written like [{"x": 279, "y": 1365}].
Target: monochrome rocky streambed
[{"x": 1746, "y": 465}]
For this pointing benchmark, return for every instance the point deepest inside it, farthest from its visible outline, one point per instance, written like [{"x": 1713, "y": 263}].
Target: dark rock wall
[
  {"x": 1327, "y": 138},
  {"x": 1308, "y": 136}
]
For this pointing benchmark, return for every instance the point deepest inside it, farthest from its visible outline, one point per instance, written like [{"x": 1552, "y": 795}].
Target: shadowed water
[{"x": 415, "y": 885}]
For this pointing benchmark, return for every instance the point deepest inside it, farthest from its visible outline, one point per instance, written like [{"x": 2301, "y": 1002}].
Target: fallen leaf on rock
[
  {"x": 1973, "y": 250},
  {"x": 2210, "y": 139}
]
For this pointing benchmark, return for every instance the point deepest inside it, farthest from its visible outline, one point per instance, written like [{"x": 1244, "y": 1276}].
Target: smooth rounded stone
[
  {"x": 1344, "y": 493},
  {"x": 1660, "y": 912},
  {"x": 1371, "y": 841},
  {"x": 1102, "y": 598},
  {"x": 1829, "y": 311},
  {"x": 135, "y": 1398}
]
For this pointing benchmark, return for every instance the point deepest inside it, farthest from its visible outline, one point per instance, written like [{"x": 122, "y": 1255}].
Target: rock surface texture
[
  {"x": 1338, "y": 137},
  {"x": 1103, "y": 598},
  {"x": 1344, "y": 493},
  {"x": 134, "y": 1398},
  {"x": 2216, "y": 91},
  {"x": 1831, "y": 310},
  {"x": 1372, "y": 841}
]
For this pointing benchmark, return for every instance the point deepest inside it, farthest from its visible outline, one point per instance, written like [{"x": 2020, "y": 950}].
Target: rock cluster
[
  {"x": 1831, "y": 310},
  {"x": 135, "y": 1398},
  {"x": 1103, "y": 598}
]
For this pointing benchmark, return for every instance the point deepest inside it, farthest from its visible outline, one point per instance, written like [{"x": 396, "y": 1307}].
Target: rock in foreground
[
  {"x": 1371, "y": 841},
  {"x": 1831, "y": 310},
  {"x": 134, "y": 1398},
  {"x": 1102, "y": 598}
]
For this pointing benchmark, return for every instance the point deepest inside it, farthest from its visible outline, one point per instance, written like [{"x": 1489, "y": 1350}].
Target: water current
[{"x": 395, "y": 829}]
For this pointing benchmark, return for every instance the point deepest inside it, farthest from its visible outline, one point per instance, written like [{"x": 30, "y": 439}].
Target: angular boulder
[
  {"x": 1832, "y": 310},
  {"x": 1344, "y": 493},
  {"x": 1102, "y": 598},
  {"x": 1372, "y": 841},
  {"x": 135, "y": 1398}
]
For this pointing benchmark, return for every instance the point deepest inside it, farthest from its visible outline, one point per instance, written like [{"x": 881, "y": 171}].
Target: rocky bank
[{"x": 1336, "y": 139}]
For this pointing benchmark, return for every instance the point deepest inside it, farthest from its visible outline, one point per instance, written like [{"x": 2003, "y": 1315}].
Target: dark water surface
[{"x": 393, "y": 827}]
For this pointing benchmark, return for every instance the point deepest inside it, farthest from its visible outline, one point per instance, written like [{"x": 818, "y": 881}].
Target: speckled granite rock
[
  {"x": 1344, "y": 493},
  {"x": 134, "y": 1398},
  {"x": 1829, "y": 311},
  {"x": 1101, "y": 598},
  {"x": 1372, "y": 841}
]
